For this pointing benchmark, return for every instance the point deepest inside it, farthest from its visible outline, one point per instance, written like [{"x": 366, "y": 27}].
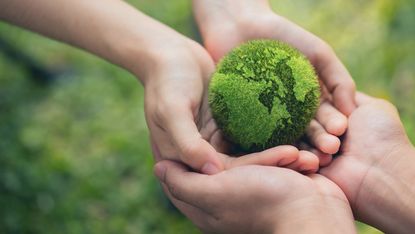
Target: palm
[
  {"x": 182, "y": 127},
  {"x": 366, "y": 145},
  {"x": 275, "y": 191},
  {"x": 273, "y": 186}
]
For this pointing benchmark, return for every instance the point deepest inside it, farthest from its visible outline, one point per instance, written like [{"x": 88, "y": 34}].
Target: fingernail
[
  {"x": 160, "y": 171},
  {"x": 210, "y": 169}
]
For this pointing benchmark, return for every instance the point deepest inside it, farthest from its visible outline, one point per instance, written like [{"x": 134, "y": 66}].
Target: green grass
[{"x": 75, "y": 155}]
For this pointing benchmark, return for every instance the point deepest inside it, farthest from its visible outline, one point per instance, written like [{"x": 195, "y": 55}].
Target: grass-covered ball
[{"x": 264, "y": 93}]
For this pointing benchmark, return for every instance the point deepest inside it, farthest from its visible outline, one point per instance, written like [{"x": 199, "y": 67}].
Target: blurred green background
[{"x": 75, "y": 154}]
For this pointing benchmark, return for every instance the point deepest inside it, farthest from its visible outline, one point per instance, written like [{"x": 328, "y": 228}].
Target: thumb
[
  {"x": 193, "y": 150},
  {"x": 184, "y": 185}
]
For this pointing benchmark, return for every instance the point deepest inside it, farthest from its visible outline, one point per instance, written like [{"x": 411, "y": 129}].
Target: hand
[
  {"x": 180, "y": 121},
  {"x": 174, "y": 70},
  {"x": 226, "y": 23},
  {"x": 257, "y": 199},
  {"x": 376, "y": 167}
]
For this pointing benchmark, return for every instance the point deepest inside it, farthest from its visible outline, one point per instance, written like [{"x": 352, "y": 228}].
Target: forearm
[
  {"x": 326, "y": 215},
  {"x": 110, "y": 29},
  {"x": 387, "y": 199}
]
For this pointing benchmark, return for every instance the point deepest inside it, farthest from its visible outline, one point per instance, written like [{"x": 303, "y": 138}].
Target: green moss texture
[{"x": 263, "y": 94}]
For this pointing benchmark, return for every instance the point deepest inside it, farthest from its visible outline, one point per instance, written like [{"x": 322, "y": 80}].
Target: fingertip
[
  {"x": 344, "y": 100},
  {"x": 337, "y": 126},
  {"x": 310, "y": 162},
  {"x": 328, "y": 144},
  {"x": 281, "y": 155},
  {"x": 202, "y": 157},
  {"x": 307, "y": 162},
  {"x": 210, "y": 169},
  {"x": 325, "y": 160},
  {"x": 287, "y": 150},
  {"x": 291, "y": 154},
  {"x": 346, "y": 107},
  {"x": 213, "y": 164},
  {"x": 309, "y": 156}
]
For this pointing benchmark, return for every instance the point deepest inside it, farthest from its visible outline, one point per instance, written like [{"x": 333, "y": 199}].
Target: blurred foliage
[{"x": 75, "y": 154}]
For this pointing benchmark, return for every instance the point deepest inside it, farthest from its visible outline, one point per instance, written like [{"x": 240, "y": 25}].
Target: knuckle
[{"x": 164, "y": 107}]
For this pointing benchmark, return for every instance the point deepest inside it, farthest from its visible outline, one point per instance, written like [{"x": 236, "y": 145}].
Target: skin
[
  {"x": 175, "y": 76},
  {"x": 257, "y": 199},
  {"x": 374, "y": 174},
  {"x": 225, "y": 24},
  {"x": 376, "y": 167}
]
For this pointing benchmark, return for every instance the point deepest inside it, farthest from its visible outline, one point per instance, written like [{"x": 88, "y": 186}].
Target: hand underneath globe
[{"x": 376, "y": 167}]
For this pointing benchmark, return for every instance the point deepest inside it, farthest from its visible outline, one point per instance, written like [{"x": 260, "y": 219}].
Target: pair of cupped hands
[{"x": 222, "y": 193}]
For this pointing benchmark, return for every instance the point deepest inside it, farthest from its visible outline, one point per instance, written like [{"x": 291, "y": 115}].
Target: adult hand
[
  {"x": 376, "y": 167},
  {"x": 257, "y": 199}
]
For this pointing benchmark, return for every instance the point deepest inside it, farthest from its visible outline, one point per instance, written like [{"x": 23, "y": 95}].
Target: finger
[
  {"x": 333, "y": 121},
  {"x": 323, "y": 158},
  {"x": 192, "y": 148},
  {"x": 362, "y": 98},
  {"x": 323, "y": 141},
  {"x": 306, "y": 163},
  {"x": 336, "y": 78},
  {"x": 277, "y": 156},
  {"x": 197, "y": 215},
  {"x": 186, "y": 186},
  {"x": 331, "y": 71}
]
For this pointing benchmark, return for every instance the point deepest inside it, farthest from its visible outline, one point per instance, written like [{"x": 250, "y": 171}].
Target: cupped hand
[
  {"x": 257, "y": 199},
  {"x": 181, "y": 124},
  {"x": 375, "y": 142},
  {"x": 226, "y": 24}
]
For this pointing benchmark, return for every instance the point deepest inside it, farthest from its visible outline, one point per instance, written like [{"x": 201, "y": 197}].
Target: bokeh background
[{"x": 74, "y": 147}]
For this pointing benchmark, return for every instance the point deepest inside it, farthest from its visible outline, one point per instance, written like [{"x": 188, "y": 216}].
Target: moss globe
[{"x": 264, "y": 93}]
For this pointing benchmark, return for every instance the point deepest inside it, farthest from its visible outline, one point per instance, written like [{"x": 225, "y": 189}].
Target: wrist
[
  {"x": 141, "y": 53},
  {"x": 386, "y": 198},
  {"x": 321, "y": 214}
]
